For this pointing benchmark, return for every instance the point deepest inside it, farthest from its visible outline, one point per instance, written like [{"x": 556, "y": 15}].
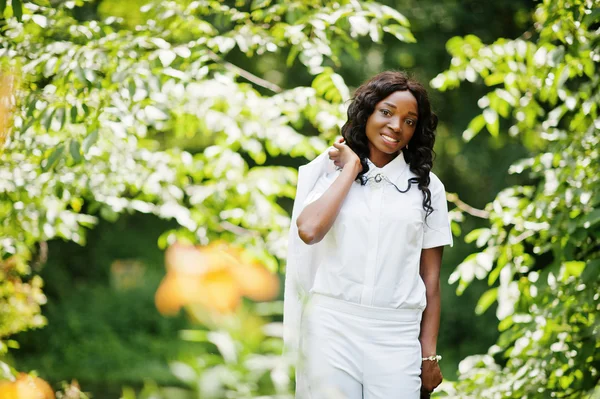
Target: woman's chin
[
  {"x": 389, "y": 150},
  {"x": 386, "y": 149}
]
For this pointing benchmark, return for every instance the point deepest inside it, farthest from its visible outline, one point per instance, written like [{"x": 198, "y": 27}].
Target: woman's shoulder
[
  {"x": 435, "y": 180},
  {"x": 435, "y": 184}
]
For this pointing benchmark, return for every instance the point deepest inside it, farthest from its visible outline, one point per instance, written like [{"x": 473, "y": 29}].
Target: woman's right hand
[
  {"x": 342, "y": 155},
  {"x": 317, "y": 217}
]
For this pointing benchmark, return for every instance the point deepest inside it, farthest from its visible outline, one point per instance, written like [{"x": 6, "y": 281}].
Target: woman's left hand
[{"x": 431, "y": 375}]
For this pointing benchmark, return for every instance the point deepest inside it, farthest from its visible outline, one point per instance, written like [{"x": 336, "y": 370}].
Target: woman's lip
[{"x": 391, "y": 144}]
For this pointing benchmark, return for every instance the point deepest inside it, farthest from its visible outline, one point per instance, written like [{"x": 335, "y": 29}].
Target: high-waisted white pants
[{"x": 351, "y": 351}]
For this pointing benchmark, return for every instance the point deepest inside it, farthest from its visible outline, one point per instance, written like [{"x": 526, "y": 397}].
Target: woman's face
[{"x": 391, "y": 126}]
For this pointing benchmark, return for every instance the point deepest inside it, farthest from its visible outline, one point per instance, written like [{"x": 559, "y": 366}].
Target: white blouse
[{"x": 371, "y": 254}]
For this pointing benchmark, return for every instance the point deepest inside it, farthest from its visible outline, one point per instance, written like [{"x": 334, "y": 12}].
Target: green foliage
[
  {"x": 541, "y": 251},
  {"x": 21, "y": 301},
  {"x": 116, "y": 335},
  {"x": 243, "y": 358}
]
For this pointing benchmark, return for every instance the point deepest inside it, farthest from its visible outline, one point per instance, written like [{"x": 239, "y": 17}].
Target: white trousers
[{"x": 351, "y": 351}]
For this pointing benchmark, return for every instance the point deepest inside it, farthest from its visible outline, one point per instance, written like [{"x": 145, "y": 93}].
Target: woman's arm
[
  {"x": 316, "y": 218},
  {"x": 431, "y": 262}
]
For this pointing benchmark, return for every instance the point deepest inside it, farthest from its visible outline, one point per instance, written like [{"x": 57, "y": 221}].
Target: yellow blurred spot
[
  {"x": 76, "y": 204},
  {"x": 8, "y": 87},
  {"x": 26, "y": 387},
  {"x": 215, "y": 276}
]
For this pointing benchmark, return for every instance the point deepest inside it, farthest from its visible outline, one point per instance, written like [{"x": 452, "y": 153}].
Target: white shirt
[{"x": 372, "y": 252}]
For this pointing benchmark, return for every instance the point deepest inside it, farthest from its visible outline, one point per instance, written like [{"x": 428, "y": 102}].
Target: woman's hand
[
  {"x": 343, "y": 155},
  {"x": 317, "y": 217},
  {"x": 431, "y": 375}
]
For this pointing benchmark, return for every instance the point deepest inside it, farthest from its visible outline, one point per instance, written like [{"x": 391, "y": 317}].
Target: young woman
[{"x": 369, "y": 224}]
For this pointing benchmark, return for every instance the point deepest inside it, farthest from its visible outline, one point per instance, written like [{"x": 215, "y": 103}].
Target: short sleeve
[
  {"x": 437, "y": 231},
  {"x": 322, "y": 184}
]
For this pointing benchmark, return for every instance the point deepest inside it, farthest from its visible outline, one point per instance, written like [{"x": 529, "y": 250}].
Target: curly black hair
[{"x": 420, "y": 153}]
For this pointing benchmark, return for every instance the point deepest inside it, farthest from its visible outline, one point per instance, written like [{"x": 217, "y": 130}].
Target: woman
[{"x": 372, "y": 221}]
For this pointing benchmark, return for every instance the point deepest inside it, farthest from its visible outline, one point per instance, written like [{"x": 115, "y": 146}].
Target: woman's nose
[{"x": 396, "y": 125}]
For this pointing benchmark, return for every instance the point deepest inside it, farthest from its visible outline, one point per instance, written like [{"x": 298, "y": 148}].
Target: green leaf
[
  {"x": 42, "y": 3},
  {"x": 61, "y": 117},
  {"x": 473, "y": 235},
  {"x": 17, "y": 7},
  {"x": 331, "y": 86},
  {"x": 80, "y": 74},
  {"x": 50, "y": 67},
  {"x": 491, "y": 120},
  {"x": 292, "y": 56},
  {"x": 401, "y": 33},
  {"x": 494, "y": 274},
  {"x": 505, "y": 324},
  {"x": 2, "y": 7},
  {"x": 591, "y": 219},
  {"x": 486, "y": 300},
  {"x": 109, "y": 214},
  {"x": 74, "y": 114},
  {"x": 53, "y": 158},
  {"x": 390, "y": 12},
  {"x": 89, "y": 141},
  {"x": 75, "y": 150},
  {"x": 31, "y": 106},
  {"x": 572, "y": 268},
  {"x": 47, "y": 118},
  {"x": 128, "y": 393},
  {"x": 591, "y": 272},
  {"x": 494, "y": 79},
  {"x": 474, "y": 127}
]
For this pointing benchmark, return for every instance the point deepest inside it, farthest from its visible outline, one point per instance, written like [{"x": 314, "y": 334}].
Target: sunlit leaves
[
  {"x": 54, "y": 157},
  {"x": 542, "y": 245},
  {"x": 486, "y": 300},
  {"x": 331, "y": 86},
  {"x": 400, "y": 32}
]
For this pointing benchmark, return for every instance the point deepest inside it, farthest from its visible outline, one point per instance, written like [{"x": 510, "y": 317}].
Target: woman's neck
[{"x": 380, "y": 159}]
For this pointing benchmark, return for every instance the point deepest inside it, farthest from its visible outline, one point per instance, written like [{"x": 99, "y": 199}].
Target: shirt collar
[{"x": 393, "y": 170}]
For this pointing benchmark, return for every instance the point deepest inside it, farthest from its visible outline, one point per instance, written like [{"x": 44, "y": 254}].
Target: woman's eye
[
  {"x": 386, "y": 112},
  {"x": 410, "y": 122}
]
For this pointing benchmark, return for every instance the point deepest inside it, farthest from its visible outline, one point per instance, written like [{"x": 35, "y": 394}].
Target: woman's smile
[{"x": 392, "y": 142}]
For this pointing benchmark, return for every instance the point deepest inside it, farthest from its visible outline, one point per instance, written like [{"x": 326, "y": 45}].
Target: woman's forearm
[
  {"x": 431, "y": 263},
  {"x": 317, "y": 218},
  {"x": 430, "y": 323}
]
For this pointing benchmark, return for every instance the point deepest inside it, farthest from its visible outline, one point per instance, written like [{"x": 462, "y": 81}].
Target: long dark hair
[{"x": 419, "y": 154}]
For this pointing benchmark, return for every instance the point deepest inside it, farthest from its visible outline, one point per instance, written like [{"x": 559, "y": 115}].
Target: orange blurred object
[
  {"x": 219, "y": 291},
  {"x": 184, "y": 258},
  {"x": 26, "y": 387},
  {"x": 256, "y": 282},
  {"x": 214, "y": 276}
]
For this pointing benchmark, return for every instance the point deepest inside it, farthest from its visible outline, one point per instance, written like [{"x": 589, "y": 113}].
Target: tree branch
[
  {"x": 246, "y": 75},
  {"x": 237, "y": 229},
  {"x": 463, "y": 206}
]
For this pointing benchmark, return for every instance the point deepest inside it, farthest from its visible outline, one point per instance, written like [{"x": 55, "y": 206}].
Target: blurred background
[{"x": 148, "y": 157}]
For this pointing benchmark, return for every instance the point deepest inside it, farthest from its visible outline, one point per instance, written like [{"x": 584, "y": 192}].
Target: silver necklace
[{"x": 378, "y": 178}]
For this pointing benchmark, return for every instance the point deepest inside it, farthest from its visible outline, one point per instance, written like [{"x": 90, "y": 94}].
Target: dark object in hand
[{"x": 425, "y": 394}]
